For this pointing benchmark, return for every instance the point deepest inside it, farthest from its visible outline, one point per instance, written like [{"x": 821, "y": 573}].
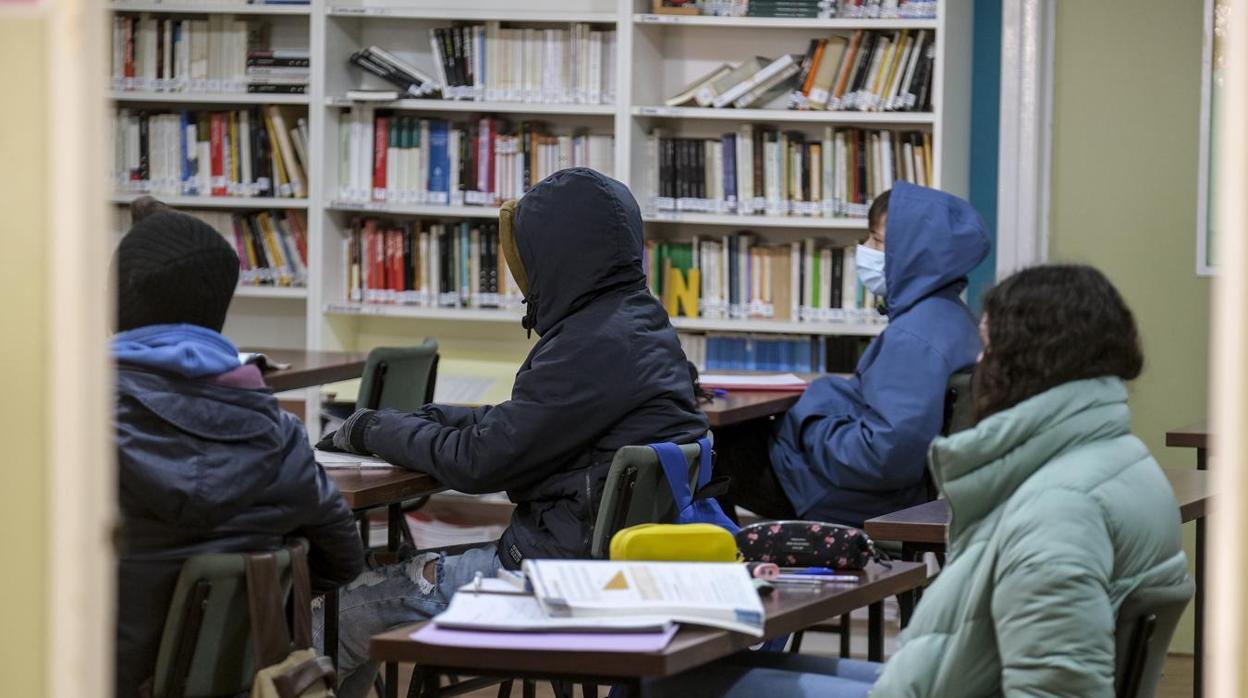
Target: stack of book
[
  {"x": 278, "y": 71},
  {"x": 550, "y": 66},
  {"x": 388, "y": 157},
  {"x": 822, "y": 9},
  {"x": 260, "y": 151},
  {"x": 272, "y": 246},
  {"x": 396, "y": 71},
  {"x": 740, "y": 278},
  {"x": 866, "y": 71},
  {"x": 423, "y": 264},
  {"x": 195, "y": 55},
  {"x": 750, "y": 352},
  {"x": 760, "y": 170}
]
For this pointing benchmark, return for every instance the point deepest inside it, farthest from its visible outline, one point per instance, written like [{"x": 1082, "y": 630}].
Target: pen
[
  {"x": 809, "y": 570},
  {"x": 817, "y": 578}
]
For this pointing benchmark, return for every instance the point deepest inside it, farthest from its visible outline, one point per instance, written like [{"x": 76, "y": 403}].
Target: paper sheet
[
  {"x": 331, "y": 459},
  {"x": 777, "y": 381},
  {"x": 435, "y": 634}
]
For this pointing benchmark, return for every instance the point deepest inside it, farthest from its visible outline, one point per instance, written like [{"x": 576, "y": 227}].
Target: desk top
[
  {"x": 309, "y": 368},
  {"x": 745, "y": 405},
  {"x": 1191, "y": 436},
  {"x": 366, "y": 488},
  {"x": 926, "y": 523},
  {"x": 790, "y": 608}
]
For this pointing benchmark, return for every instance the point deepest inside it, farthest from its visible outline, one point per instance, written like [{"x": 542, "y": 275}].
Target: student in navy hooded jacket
[
  {"x": 607, "y": 372},
  {"x": 852, "y": 449},
  {"x": 207, "y": 462}
]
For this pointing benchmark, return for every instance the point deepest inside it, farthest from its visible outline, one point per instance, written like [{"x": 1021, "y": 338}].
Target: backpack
[
  {"x": 694, "y": 506},
  {"x": 291, "y": 670}
]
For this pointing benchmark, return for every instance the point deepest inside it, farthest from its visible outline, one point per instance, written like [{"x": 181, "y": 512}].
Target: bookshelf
[{"x": 656, "y": 56}]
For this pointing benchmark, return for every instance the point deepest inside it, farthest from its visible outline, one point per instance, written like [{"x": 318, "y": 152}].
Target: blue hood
[{"x": 933, "y": 240}]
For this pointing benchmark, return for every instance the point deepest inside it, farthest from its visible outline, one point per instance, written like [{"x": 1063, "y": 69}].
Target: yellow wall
[
  {"x": 23, "y": 422},
  {"x": 1126, "y": 136}
]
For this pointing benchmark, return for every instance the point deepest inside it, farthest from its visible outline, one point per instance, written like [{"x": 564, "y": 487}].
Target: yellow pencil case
[{"x": 699, "y": 542}]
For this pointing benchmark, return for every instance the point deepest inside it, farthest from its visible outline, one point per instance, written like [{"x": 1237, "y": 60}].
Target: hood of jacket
[
  {"x": 933, "y": 240},
  {"x": 579, "y": 236},
  {"x": 981, "y": 467}
]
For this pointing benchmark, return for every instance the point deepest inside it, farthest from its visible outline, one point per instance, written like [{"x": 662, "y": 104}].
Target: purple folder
[{"x": 576, "y": 642}]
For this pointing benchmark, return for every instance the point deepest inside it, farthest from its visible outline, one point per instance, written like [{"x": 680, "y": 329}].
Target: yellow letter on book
[{"x": 681, "y": 294}]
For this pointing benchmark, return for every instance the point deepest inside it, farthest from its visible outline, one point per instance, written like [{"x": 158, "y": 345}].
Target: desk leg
[
  {"x": 392, "y": 680},
  {"x": 330, "y": 618},
  {"x": 875, "y": 632},
  {"x": 1198, "y": 670},
  {"x": 394, "y": 516},
  {"x": 907, "y": 600}
]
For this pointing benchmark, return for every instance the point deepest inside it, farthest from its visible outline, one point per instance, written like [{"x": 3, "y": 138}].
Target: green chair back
[
  {"x": 399, "y": 378},
  {"x": 1146, "y": 621},
  {"x": 959, "y": 407},
  {"x": 636, "y": 492},
  {"x": 206, "y": 646}
]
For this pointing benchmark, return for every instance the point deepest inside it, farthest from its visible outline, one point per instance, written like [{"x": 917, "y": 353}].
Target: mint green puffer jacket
[{"x": 1058, "y": 513}]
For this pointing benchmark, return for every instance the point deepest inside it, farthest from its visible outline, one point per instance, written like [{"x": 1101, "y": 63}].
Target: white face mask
[{"x": 870, "y": 263}]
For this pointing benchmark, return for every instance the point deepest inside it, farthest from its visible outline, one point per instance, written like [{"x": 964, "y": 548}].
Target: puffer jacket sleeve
[
  {"x": 335, "y": 554},
  {"x": 566, "y": 397},
  {"x": 1050, "y": 604},
  {"x": 881, "y": 445},
  {"x": 453, "y": 415}
]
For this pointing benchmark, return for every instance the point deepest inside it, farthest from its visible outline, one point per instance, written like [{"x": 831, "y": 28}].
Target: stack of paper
[{"x": 778, "y": 381}]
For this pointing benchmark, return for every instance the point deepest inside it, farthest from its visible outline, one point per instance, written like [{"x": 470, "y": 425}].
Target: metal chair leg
[
  {"x": 504, "y": 689},
  {"x": 846, "y": 636}
]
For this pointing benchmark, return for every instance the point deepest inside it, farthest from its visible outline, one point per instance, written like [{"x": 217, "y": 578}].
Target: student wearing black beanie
[{"x": 172, "y": 268}]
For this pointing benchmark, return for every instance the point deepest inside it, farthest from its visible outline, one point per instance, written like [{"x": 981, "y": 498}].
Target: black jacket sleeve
[
  {"x": 561, "y": 403},
  {"x": 453, "y": 415},
  {"x": 335, "y": 555}
]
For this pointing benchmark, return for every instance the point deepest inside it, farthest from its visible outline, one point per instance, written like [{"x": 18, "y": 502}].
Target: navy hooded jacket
[
  {"x": 850, "y": 450},
  {"x": 209, "y": 466},
  {"x": 607, "y": 372}
]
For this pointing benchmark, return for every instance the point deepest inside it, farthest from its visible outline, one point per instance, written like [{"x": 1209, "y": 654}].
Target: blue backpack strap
[
  {"x": 704, "y": 462},
  {"x": 677, "y": 470}
]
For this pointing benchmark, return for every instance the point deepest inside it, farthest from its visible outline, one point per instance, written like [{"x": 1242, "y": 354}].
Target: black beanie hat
[{"x": 173, "y": 268}]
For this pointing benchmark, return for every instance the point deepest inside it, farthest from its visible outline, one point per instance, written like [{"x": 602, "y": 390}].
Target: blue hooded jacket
[{"x": 850, "y": 450}]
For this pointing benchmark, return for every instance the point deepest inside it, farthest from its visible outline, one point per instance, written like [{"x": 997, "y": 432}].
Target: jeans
[
  {"x": 751, "y": 674},
  {"x": 382, "y": 598}
]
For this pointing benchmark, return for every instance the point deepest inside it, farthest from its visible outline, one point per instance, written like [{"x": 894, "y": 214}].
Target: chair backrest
[
  {"x": 959, "y": 407},
  {"x": 1145, "y": 623},
  {"x": 399, "y": 378},
  {"x": 206, "y": 646},
  {"x": 636, "y": 492}
]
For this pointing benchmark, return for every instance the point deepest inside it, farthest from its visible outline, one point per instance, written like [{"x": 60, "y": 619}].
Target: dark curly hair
[{"x": 1050, "y": 325}]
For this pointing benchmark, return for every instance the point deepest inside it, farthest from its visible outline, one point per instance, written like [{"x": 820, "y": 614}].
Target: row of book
[
  {"x": 256, "y": 152},
  {"x": 552, "y": 66},
  {"x": 748, "y": 352},
  {"x": 217, "y": 54},
  {"x": 866, "y": 71},
  {"x": 272, "y": 245},
  {"x": 390, "y": 157},
  {"x": 821, "y": 9},
  {"x": 740, "y": 278},
  {"x": 763, "y": 171},
  {"x": 441, "y": 265}
]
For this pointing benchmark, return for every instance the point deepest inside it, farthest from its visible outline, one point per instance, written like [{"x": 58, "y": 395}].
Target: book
[
  {"x": 719, "y": 595},
  {"x": 688, "y": 92},
  {"x": 709, "y": 92}
]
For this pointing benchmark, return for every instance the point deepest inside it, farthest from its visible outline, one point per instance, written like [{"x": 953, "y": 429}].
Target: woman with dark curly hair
[{"x": 1058, "y": 514}]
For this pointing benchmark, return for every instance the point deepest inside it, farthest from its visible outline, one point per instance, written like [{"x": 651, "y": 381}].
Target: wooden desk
[
  {"x": 1192, "y": 436},
  {"x": 922, "y": 528},
  {"x": 789, "y": 609},
  {"x": 310, "y": 368},
  {"x": 745, "y": 405}
]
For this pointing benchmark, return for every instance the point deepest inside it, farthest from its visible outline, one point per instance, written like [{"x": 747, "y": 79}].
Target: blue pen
[{"x": 810, "y": 570}]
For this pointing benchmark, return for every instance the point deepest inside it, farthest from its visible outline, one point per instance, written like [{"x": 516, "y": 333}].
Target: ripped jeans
[{"x": 382, "y": 598}]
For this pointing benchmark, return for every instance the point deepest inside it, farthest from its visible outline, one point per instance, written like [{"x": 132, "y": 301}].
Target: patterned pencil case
[{"x": 807, "y": 544}]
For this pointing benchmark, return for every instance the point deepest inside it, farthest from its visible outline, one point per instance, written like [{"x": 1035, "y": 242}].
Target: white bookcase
[{"x": 657, "y": 55}]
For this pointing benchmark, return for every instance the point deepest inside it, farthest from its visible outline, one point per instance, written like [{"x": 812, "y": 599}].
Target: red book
[
  {"x": 295, "y": 221},
  {"x": 131, "y": 28},
  {"x": 381, "y": 142},
  {"x": 216, "y": 144},
  {"x": 394, "y": 240}
]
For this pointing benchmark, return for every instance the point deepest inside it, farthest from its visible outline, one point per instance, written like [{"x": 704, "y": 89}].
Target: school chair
[
  {"x": 636, "y": 492},
  {"x": 1146, "y": 621},
  {"x": 223, "y": 617},
  {"x": 403, "y": 379}
]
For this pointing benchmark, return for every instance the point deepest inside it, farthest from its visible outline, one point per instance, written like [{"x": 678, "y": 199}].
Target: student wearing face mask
[{"x": 852, "y": 449}]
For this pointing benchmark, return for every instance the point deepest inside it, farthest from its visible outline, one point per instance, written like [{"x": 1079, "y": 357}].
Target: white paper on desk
[
  {"x": 514, "y": 613},
  {"x": 262, "y": 361},
  {"x": 727, "y": 381},
  {"x": 333, "y": 459}
]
